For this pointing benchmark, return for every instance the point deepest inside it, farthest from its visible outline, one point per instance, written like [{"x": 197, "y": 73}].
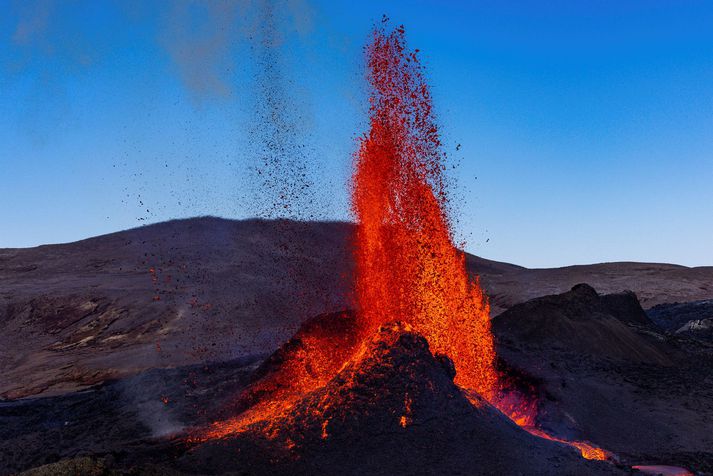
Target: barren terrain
[
  {"x": 208, "y": 289},
  {"x": 115, "y": 349}
]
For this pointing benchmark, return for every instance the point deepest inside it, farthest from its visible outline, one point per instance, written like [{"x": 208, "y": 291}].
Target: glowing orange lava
[
  {"x": 311, "y": 358},
  {"x": 587, "y": 450},
  {"x": 407, "y": 267}
]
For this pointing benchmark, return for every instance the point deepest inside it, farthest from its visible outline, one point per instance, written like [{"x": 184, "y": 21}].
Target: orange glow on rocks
[
  {"x": 305, "y": 363},
  {"x": 587, "y": 450},
  {"x": 405, "y": 419}
]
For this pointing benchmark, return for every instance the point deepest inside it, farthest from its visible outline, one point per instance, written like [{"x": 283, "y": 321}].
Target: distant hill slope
[
  {"x": 605, "y": 373},
  {"x": 186, "y": 291},
  {"x": 168, "y": 294},
  {"x": 653, "y": 283}
]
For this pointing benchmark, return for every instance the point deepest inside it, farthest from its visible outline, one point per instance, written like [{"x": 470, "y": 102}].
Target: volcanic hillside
[
  {"x": 595, "y": 367},
  {"x": 393, "y": 409},
  {"x": 605, "y": 373},
  {"x": 188, "y": 291}
]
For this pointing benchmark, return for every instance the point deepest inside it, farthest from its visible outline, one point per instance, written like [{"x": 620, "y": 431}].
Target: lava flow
[{"x": 407, "y": 266}]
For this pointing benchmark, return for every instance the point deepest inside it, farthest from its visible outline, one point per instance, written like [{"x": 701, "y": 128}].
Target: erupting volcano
[
  {"x": 291, "y": 323},
  {"x": 408, "y": 269}
]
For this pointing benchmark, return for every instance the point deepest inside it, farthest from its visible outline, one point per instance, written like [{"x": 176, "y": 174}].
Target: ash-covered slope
[
  {"x": 170, "y": 294},
  {"x": 392, "y": 410}
]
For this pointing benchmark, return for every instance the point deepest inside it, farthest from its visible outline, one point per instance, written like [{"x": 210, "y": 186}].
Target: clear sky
[{"x": 585, "y": 127}]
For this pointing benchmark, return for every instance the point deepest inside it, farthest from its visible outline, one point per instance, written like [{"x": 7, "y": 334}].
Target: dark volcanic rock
[
  {"x": 583, "y": 322},
  {"x": 393, "y": 409},
  {"x": 602, "y": 376},
  {"x": 625, "y": 307},
  {"x": 118, "y": 418},
  {"x": 674, "y": 316}
]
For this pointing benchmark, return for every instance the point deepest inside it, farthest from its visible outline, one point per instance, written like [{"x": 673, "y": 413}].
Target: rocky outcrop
[
  {"x": 583, "y": 322},
  {"x": 692, "y": 318},
  {"x": 601, "y": 373}
]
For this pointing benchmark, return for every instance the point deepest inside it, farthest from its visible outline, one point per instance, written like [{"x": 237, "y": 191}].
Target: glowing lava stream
[{"x": 407, "y": 266}]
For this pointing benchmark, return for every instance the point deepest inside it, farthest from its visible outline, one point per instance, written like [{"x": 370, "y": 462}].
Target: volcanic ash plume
[{"x": 284, "y": 182}]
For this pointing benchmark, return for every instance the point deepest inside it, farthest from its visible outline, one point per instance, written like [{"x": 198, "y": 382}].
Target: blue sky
[{"x": 586, "y": 128}]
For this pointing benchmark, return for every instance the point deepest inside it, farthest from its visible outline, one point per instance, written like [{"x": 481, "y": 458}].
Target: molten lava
[{"x": 407, "y": 267}]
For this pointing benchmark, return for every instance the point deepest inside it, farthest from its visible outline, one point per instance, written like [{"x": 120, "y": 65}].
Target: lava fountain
[{"x": 407, "y": 267}]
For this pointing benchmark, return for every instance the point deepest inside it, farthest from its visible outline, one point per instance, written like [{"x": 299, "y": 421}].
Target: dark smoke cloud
[
  {"x": 198, "y": 36},
  {"x": 32, "y": 23},
  {"x": 201, "y": 37},
  {"x": 38, "y": 37},
  {"x": 302, "y": 15},
  {"x": 32, "y": 46}
]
